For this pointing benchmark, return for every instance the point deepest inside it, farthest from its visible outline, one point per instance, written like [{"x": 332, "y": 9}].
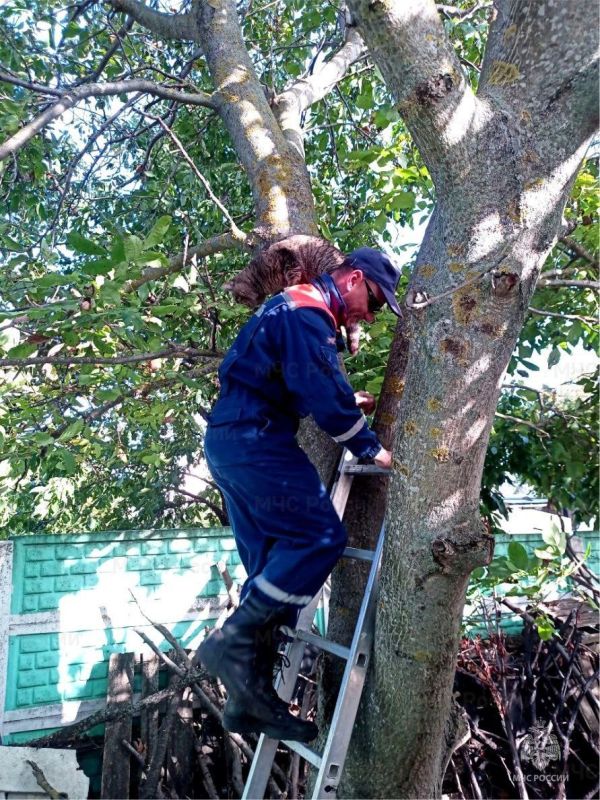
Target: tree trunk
[{"x": 502, "y": 182}]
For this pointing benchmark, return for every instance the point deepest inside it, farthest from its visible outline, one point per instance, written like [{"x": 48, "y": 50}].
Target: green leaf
[
  {"x": 42, "y": 439},
  {"x": 102, "y": 266},
  {"x": 375, "y": 385},
  {"x": 518, "y": 555},
  {"x": 133, "y": 247},
  {"x": 80, "y": 244},
  {"x": 555, "y": 538},
  {"x": 530, "y": 365},
  {"x": 545, "y": 555},
  {"x": 117, "y": 250},
  {"x": 68, "y": 461},
  {"x": 181, "y": 283},
  {"x": 22, "y": 350},
  {"x": 403, "y": 200},
  {"x": 157, "y": 233},
  {"x": 73, "y": 429},
  {"x": 54, "y": 279},
  {"x": 554, "y": 357},
  {"x": 545, "y": 628}
]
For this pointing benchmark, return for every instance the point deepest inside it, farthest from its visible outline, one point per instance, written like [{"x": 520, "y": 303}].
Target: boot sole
[{"x": 246, "y": 724}]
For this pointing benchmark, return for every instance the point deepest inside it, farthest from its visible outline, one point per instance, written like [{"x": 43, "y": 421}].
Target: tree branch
[
  {"x": 110, "y": 713},
  {"x": 123, "y": 31},
  {"x": 461, "y": 14},
  {"x": 278, "y": 176},
  {"x": 300, "y": 95},
  {"x": 217, "y": 244},
  {"x": 418, "y": 300},
  {"x": 579, "y": 249},
  {"x": 408, "y": 42},
  {"x": 194, "y": 498},
  {"x": 66, "y": 181},
  {"x": 172, "y": 352},
  {"x": 544, "y": 313},
  {"x": 572, "y": 283},
  {"x": 236, "y": 232},
  {"x": 139, "y": 392},
  {"x": 75, "y": 95},
  {"x": 544, "y": 66},
  {"x": 7, "y": 77},
  {"x": 165, "y": 26},
  {"x": 520, "y": 421},
  {"x": 42, "y": 782}
]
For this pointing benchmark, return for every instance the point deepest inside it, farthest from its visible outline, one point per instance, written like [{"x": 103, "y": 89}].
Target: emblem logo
[{"x": 539, "y": 747}]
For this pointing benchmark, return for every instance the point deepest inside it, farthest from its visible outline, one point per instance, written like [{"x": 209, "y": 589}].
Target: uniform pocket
[{"x": 225, "y": 416}]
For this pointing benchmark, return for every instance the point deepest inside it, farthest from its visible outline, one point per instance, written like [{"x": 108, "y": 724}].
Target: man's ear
[{"x": 355, "y": 277}]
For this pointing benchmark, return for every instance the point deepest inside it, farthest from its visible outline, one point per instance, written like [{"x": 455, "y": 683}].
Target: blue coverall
[{"x": 283, "y": 366}]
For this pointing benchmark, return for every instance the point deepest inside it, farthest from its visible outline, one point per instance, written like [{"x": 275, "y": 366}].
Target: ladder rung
[
  {"x": 304, "y": 751},
  {"x": 365, "y": 469},
  {"x": 356, "y": 552},
  {"x": 323, "y": 644}
]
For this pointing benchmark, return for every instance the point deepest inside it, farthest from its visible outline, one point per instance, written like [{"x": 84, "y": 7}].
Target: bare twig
[
  {"x": 579, "y": 249},
  {"x": 166, "y": 26},
  {"x": 234, "y": 228},
  {"x": 520, "y": 421},
  {"x": 461, "y": 14},
  {"x": 418, "y": 300},
  {"x": 216, "y": 244},
  {"x": 172, "y": 352},
  {"x": 68, "y": 99},
  {"x": 178, "y": 670},
  {"x": 573, "y": 284},
  {"x": 472, "y": 777},
  {"x": 123, "y": 31},
  {"x": 43, "y": 783},
  {"x": 234, "y": 763},
  {"x": 69, "y": 732},
  {"x": 166, "y": 633},
  {"x": 135, "y": 753},
  {"x": 543, "y": 313},
  {"x": 149, "y": 787},
  {"x": 207, "y": 780}
]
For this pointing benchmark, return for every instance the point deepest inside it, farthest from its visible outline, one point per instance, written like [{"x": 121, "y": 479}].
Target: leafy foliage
[
  {"x": 99, "y": 205},
  {"x": 534, "y": 576}
]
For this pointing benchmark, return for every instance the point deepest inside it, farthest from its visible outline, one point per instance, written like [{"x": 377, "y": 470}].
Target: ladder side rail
[
  {"x": 340, "y": 491},
  {"x": 343, "y": 483},
  {"x": 350, "y": 692},
  {"x": 260, "y": 769}
]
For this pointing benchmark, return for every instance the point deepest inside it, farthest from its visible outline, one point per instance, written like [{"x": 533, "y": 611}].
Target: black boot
[
  {"x": 268, "y": 657},
  {"x": 230, "y": 653}
]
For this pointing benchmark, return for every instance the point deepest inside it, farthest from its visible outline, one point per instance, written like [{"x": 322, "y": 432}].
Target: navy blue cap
[{"x": 378, "y": 268}]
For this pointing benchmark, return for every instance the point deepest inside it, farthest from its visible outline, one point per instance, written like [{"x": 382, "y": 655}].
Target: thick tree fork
[{"x": 330, "y": 762}]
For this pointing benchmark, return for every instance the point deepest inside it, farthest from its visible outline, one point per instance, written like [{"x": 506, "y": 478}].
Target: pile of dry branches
[
  {"x": 176, "y": 746},
  {"x": 532, "y": 709}
]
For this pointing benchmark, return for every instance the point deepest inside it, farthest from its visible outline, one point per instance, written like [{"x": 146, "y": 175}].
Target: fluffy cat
[{"x": 293, "y": 260}]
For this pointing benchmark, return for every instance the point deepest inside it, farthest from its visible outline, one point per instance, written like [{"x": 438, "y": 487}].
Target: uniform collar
[
  {"x": 331, "y": 294},
  {"x": 332, "y": 297}
]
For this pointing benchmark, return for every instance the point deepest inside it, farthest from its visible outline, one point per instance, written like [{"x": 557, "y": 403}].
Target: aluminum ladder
[{"x": 330, "y": 762}]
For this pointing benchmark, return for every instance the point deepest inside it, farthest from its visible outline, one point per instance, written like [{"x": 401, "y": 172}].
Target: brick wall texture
[{"x": 81, "y": 596}]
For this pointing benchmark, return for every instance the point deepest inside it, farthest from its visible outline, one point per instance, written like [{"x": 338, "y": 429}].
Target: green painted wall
[
  {"x": 81, "y": 585},
  {"x": 72, "y": 606}
]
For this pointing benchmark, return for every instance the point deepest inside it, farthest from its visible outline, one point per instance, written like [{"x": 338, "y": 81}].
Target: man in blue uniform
[{"x": 283, "y": 366}]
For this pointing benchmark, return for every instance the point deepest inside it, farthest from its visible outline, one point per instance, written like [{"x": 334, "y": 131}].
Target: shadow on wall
[{"x": 78, "y": 599}]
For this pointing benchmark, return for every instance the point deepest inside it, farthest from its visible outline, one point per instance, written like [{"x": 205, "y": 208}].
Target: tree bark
[{"x": 503, "y": 166}]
